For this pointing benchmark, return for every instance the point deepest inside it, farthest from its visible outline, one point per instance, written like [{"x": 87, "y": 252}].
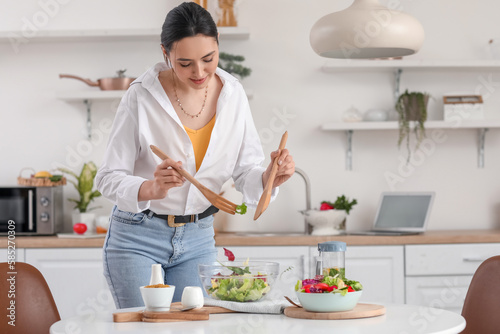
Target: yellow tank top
[{"x": 200, "y": 139}]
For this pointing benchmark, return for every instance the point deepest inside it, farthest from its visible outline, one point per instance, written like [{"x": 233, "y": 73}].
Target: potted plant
[
  {"x": 84, "y": 184},
  {"x": 412, "y": 106},
  {"x": 331, "y": 218},
  {"x": 229, "y": 63}
]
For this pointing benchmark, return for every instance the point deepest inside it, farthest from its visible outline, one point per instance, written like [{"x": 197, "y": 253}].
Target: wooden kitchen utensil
[
  {"x": 292, "y": 302},
  {"x": 360, "y": 311},
  {"x": 175, "y": 314},
  {"x": 218, "y": 201},
  {"x": 266, "y": 194}
]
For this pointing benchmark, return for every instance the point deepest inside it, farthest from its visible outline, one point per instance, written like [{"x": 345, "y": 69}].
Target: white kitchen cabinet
[
  {"x": 434, "y": 275},
  {"x": 294, "y": 257},
  {"x": 75, "y": 277},
  {"x": 18, "y": 253},
  {"x": 443, "y": 292},
  {"x": 452, "y": 259},
  {"x": 439, "y": 275},
  {"x": 380, "y": 269}
]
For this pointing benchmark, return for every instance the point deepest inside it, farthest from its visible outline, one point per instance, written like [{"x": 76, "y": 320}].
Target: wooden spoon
[
  {"x": 218, "y": 201},
  {"x": 292, "y": 302},
  {"x": 266, "y": 194}
]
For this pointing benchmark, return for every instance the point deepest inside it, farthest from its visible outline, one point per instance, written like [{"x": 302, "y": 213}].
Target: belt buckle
[{"x": 171, "y": 222}]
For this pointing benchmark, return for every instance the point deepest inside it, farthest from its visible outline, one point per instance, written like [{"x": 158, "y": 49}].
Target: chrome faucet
[{"x": 307, "y": 228}]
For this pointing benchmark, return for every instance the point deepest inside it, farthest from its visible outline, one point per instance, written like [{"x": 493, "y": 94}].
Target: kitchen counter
[{"x": 253, "y": 239}]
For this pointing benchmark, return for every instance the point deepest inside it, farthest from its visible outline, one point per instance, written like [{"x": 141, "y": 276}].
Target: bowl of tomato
[{"x": 328, "y": 293}]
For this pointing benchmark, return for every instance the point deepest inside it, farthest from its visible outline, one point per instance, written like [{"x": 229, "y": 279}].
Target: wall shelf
[
  {"x": 409, "y": 65},
  {"x": 405, "y": 65},
  {"x": 337, "y": 66},
  {"x": 103, "y": 95},
  {"x": 109, "y": 35},
  {"x": 89, "y": 96},
  {"x": 96, "y": 95},
  {"x": 349, "y": 127},
  {"x": 393, "y": 125}
]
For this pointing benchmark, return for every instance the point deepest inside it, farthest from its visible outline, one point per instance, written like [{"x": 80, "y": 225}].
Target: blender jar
[{"x": 331, "y": 258}]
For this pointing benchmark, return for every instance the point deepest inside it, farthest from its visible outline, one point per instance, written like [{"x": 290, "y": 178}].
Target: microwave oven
[{"x": 31, "y": 210}]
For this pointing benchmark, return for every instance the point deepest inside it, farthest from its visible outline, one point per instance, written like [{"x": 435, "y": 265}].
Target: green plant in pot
[
  {"x": 230, "y": 64},
  {"x": 412, "y": 106},
  {"x": 84, "y": 184}
]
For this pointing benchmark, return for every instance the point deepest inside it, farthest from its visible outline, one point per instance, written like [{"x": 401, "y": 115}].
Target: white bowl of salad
[
  {"x": 328, "y": 293},
  {"x": 238, "y": 281}
]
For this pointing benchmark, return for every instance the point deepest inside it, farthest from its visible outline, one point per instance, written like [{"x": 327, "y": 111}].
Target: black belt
[{"x": 176, "y": 221}]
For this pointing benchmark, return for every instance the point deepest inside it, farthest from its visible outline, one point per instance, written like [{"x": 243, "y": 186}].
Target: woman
[{"x": 199, "y": 115}]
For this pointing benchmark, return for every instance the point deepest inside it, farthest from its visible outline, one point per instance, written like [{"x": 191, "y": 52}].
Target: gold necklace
[{"x": 179, "y": 101}]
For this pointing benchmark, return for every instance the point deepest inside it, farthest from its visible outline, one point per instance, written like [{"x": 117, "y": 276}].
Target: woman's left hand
[{"x": 286, "y": 168}]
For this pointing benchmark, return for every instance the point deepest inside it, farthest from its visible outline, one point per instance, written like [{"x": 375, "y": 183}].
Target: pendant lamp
[{"x": 366, "y": 30}]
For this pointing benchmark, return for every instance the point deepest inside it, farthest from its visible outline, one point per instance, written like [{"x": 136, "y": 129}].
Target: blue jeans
[{"x": 134, "y": 242}]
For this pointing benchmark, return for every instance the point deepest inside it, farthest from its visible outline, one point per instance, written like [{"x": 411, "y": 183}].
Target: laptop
[{"x": 401, "y": 213}]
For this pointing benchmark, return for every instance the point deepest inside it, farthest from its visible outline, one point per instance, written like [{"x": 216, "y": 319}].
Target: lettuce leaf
[{"x": 242, "y": 289}]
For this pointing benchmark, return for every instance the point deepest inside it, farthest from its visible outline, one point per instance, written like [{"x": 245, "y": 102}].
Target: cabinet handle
[
  {"x": 30, "y": 211},
  {"x": 474, "y": 259},
  {"x": 303, "y": 264}
]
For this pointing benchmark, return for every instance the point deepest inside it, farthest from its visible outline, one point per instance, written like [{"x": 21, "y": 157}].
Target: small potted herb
[
  {"x": 84, "y": 184},
  {"x": 412, "y": 106}
]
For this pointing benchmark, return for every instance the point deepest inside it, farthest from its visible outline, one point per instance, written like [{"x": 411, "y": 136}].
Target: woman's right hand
[{"x": 166, "y": 177}]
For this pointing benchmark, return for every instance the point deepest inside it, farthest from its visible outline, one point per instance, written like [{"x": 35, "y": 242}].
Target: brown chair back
[
  {"x": 482, "y": 303},
  {"x": 25, "y": 300}
]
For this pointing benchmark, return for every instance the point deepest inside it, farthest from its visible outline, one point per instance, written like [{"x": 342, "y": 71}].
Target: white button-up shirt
[{"x": 146, "y": 116}]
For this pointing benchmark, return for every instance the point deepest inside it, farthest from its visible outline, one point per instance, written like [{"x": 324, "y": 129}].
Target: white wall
[{"x": 39, "y": 131}]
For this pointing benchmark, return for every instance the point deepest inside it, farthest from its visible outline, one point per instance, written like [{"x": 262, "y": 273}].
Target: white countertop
[{"x": 399, "y": 319}]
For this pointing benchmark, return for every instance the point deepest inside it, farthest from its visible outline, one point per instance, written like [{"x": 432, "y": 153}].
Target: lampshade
[{"x": 366, "y": 30}]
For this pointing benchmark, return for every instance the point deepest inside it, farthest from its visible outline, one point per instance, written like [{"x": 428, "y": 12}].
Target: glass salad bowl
[{"x": 238, "y": 281}]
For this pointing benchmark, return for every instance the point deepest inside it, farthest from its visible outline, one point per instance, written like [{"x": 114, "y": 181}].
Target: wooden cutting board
[
  {"x": 360, "y": 311},
  {"x": 173, "y": 315}
]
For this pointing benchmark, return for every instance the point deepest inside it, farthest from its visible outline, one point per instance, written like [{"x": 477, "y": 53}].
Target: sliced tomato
[
  {"x": 350, "y": 289},
  {"x": 261, "y": 277},
  {"x": 307, "y": 288},
  {"x": 331, "y": 288},
  {"x": 321, "y": 286}
]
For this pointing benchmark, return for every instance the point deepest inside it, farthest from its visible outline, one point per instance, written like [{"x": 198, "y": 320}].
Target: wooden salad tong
[
  {"x": 266, "y": 195},
  {"x": 218, "y": 201}
]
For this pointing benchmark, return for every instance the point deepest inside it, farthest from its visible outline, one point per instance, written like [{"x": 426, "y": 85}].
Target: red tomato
[
  {"x": 307, "y": 288},
  {"x": 322, "y": 286},
  {"x": 331, "y": 288},
  {"x": 350, "y": 289},
  {"x": 325, "y": 206},
  {"x": 261, "y": 277},
  {"x": 80, "y": 228}
]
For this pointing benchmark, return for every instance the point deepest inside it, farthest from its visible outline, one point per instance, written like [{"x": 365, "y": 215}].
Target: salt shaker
[
  {"x": 156, "y": 275},
  {"x": 192, "y": 297}
]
